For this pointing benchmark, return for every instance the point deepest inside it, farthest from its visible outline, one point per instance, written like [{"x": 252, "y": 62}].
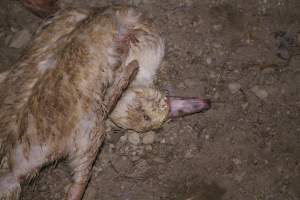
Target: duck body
[{"x": 54, "y": 99}]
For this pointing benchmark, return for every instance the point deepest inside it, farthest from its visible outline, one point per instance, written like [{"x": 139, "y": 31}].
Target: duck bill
[{"x": 180, "y": 106}]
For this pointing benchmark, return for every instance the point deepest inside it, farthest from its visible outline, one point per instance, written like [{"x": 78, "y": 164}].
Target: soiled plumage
[{"x": 54, "y": 100}]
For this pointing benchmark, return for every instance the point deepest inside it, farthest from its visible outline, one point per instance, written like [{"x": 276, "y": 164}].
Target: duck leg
[
  {"x": 82, "y": 158},
  {"x": 123, "y": 78}
]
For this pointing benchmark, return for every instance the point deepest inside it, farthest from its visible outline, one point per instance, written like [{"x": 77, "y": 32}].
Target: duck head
[{"x": 142, "y": 109}]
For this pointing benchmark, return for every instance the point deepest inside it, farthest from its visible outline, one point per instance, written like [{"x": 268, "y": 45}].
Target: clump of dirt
[{"x": 245, "y": 147}]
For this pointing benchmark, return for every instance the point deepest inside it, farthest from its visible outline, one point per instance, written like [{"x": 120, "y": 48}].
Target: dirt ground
[{"x": 247, "y": 147}]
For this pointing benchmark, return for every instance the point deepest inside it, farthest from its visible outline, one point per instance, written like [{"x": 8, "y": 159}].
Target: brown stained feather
[
  {"x": 54, "y": 97},
  {"x": 124, "y": 77}
]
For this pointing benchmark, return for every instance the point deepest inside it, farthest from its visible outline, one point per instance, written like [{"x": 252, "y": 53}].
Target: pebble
[
  {"x": 260, "y": 93},
  {"x": 111, "y": 147},
  {"x": 122, "y": 164},
  {"x": 7, "y": 39},
  {"x": 236, "y": 161},
  {"x": 140, "y": 168},
  {"x": 217, "y": 27},
  {"x": 216, "y": 95},
  {"x": 148, "y": 148},
  {"x": 190, "y": 83},
  {"x": 136, "y": 2},
  {"x": 133, "y": 138},
  {"x": 181, "y": 85},
  {"x": 149, "y": 137},
  {"x": 2, "y": 34},
  {"x": 20, "y": 39},
  {"x": 206, "y": 136},
  {"x": 239, "y": 177},
  {"x": 208, "y": 61},
  {"x": 234, "y": 87},
  {"x": 188, "y": 3},
  {"x": 212, "y": 74},
  {"x": 163, "y": 141},
  {"x": 188, "y": 154},
  {"x": 134, "y": 158},
  {"x": 123, "y": 138},
  {"x": 245, "y": 105},
  {"x": 159, "y": 160}
]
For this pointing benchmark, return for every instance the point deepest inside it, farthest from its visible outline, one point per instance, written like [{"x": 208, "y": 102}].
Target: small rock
[
  {"x": 133, "y": 138},
  {"x": 133, "y": 148},
  {"x": 208, "y": 61},
  {"x": 133, "y": 153},
  {"x": 7, "y": 39},
  {"x": 140, "y": 168},
  {"x": 44, "y": 188},
  {"x": 123, "y": 138},
  {"x": 294, "y": 63},
  {"x": 181, "y": 85},
  {"x": 190, "y": 83},
  {"x": 216, "y": 45},
  {"x": 136, "y": 2},
  {"x": 163, "y": 141},
  {"x": 111, "y": 147},
  {"x": 20, "y": 39},
  {"x": 206, "y": 136},
  {"x": 212, "y": 74},
  {"x": 149, "y": 137},
  {"x": 134, "y": 158},
  {"x": 140, "y": 152},
  {"x": 97, "y": 170},
  {"x": 236, "y": 161},
  {"x": 122, "y": 164},
  {"x": 234, "y": 87},
  {"x": 216, "y": 95},
  {"x": 2, "y": 34},
  {"x": 245, "y": 105},
  {"x": 239, "y": 177},
  {"x": 122, "y": 187},
  {"x": 217, "y": 27},
  {"x": 268, "y": 70},
  {"x": 188, "y": 154},
  {"x": 126, "y": 149},
  {"x": 285, "y": 40},
  {"x": 159, "y": 160},
  {"x": 260, "y": 93},
  {"x": 148, "y": 147},
  {"x": 188, "y": 3}
]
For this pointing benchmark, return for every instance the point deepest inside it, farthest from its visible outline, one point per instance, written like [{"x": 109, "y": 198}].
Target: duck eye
[{"x": 147, "y": 118}]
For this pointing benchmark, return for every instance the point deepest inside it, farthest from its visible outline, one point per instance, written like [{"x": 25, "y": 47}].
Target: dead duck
[{"x": 36, "y": 97}]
